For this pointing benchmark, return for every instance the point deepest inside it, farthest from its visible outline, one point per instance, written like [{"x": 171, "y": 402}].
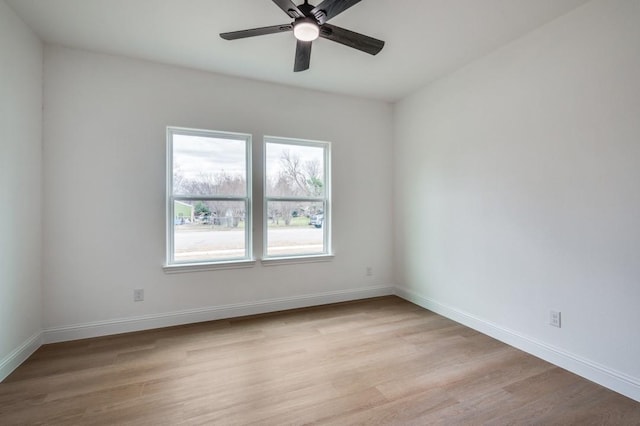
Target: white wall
[
  {"x": 517, "y": 192},
  {"x": 104, "y": 168},
  {"x": 20, "y": 190}
]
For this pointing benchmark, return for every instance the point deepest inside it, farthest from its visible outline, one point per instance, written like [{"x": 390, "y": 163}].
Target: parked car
[{"x": 316, "y": 220}]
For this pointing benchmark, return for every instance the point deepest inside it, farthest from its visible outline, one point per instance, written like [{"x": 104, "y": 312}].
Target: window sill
[
  {"x": 199, "y": 267},
  {"x": 274, "y": 261}
]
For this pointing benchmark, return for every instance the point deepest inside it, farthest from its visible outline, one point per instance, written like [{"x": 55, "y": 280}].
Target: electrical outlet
[
  {"x": 369, "y": 271},
  {"x": 554, "y": 318},
  {"x": 138, "y": 295}
]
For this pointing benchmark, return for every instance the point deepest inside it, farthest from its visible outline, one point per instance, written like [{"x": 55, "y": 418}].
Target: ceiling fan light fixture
[{"x": 306, "y": 30}]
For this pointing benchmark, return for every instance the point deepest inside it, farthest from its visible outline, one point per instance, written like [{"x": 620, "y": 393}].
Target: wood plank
[{"x": 377, "y": 361}]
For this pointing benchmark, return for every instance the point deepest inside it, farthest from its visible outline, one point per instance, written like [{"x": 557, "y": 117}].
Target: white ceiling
[{"x": 425, "y": 39}]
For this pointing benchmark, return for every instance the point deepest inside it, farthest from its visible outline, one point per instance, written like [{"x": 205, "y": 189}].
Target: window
[
  {"x": 208, "y": 197},
  {"x": 209, "y": 200},
  {"x": 297, "y": 198}
]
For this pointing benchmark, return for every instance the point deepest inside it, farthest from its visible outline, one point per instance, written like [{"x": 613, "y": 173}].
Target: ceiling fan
[{"x": 309, "y": 23}]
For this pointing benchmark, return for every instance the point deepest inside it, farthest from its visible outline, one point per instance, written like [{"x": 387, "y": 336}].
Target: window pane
[
  {"x": 206, "y": 230},
  {"x": 295, "y": 228},
  {"x": 294, "y": 170},
  {"x": 204, "y": 165}
]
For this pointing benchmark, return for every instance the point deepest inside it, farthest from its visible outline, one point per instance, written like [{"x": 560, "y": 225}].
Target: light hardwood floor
[{"x": 379, "y": 361}]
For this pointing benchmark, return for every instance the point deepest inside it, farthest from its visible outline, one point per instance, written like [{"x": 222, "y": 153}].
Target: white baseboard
[
  {"x": 147, "y": 322},
  {"x": 19, "y": 355},
  {"x": 607, "y": 377}
]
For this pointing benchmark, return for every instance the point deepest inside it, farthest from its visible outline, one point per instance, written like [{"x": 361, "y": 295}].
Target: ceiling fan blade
[
  {"x": 289, "y": 8},
  {"x": 349, "y": 38},
  {"x": 234, "y": 35},
  {"x": 334, "y": 7},
  {"x": 303, "y": 56}
]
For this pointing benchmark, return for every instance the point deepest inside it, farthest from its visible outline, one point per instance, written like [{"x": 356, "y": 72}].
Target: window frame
[
  {"x": 171, "y": 265},
  {"x": 327, "y": 253}
]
